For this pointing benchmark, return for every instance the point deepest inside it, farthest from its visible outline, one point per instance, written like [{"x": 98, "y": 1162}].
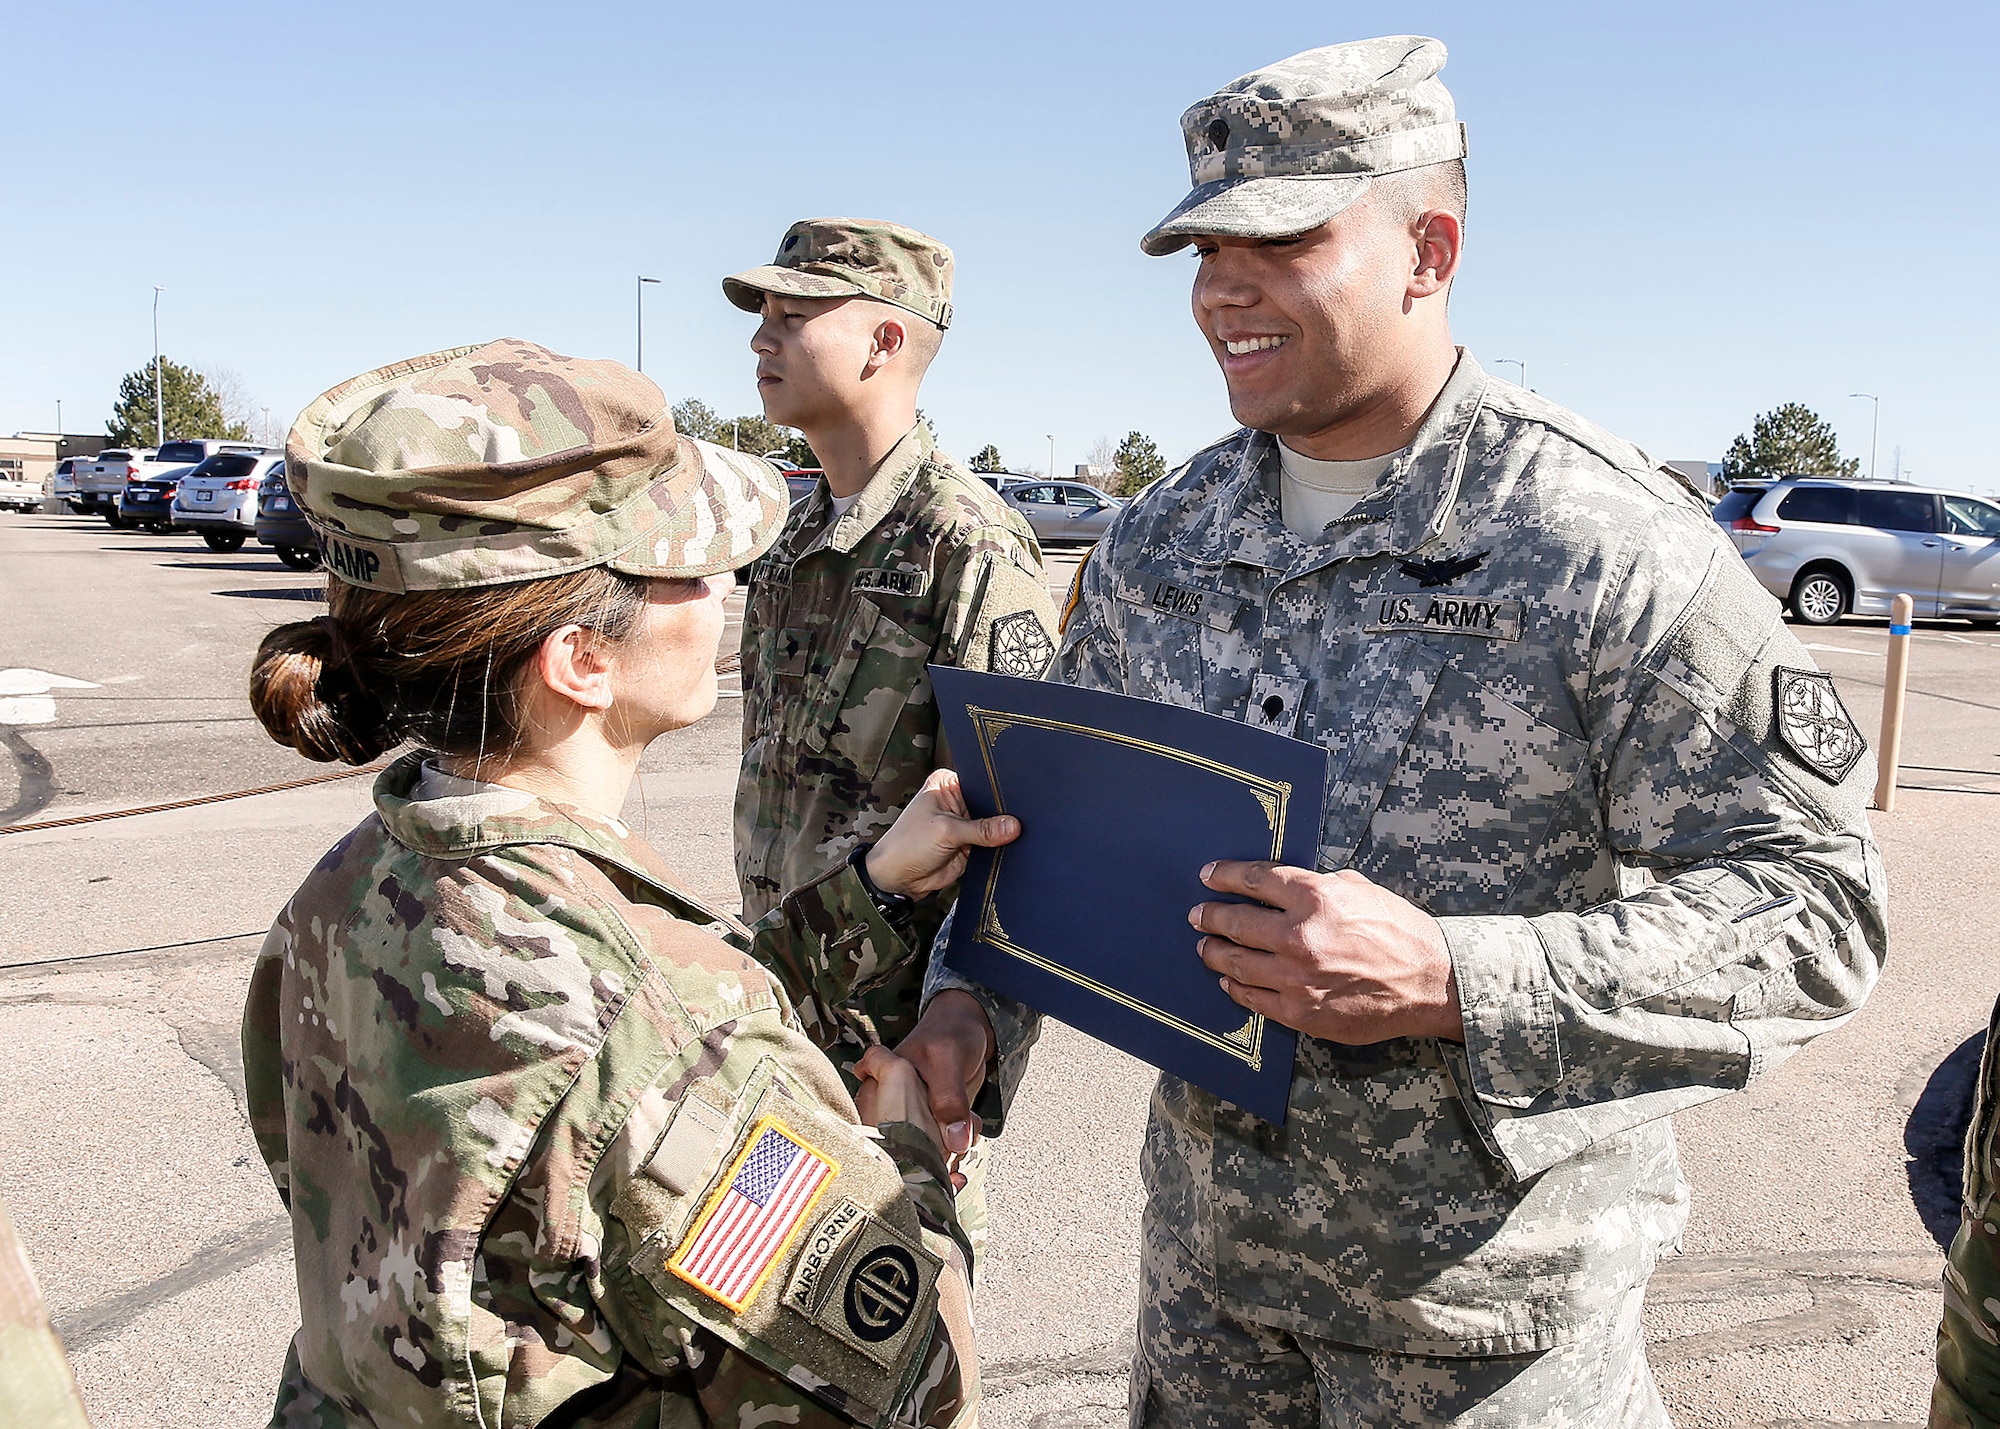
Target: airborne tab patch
[
  {"x": 881, "y": 580},
  {"x": 754, "y": 1216},
  {"x": 864, "y": 1283},
  {"x": 1815, "y": 725},
  {"x": 1444, "y": 615}
]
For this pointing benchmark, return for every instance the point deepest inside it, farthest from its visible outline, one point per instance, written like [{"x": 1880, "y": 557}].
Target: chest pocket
[
  {"x": 1470, "y": 805},
  {"x": 877, "y": 671}
]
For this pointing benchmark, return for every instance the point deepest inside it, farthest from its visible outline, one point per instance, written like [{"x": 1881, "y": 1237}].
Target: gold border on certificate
[{"x": 1274, "y": 796}]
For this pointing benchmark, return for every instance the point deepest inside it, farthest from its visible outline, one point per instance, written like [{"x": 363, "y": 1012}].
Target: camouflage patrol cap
[
  {"x": 1281, "y": 151},
  {"x": 853, "y": 258},
  {"x": 508, "y": 462}
]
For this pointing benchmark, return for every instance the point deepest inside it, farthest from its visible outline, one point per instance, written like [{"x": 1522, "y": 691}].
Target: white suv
[
  {"x": 218, "y": 497},
  {"x": 1830, "y": 548}
]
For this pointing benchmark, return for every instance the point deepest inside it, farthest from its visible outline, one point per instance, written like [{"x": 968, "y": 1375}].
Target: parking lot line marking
[{"x": 1841, "y": 649}]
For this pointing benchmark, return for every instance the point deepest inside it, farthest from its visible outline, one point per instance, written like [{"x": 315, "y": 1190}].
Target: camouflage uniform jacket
[
  {"x": 506, "y": 1076},
  {"x": 839, "y": 727},
  {"x": 36, "y": 1387},
  {"x": 1967, "y": 1392},
  {"x": 1558, "y": 712}
]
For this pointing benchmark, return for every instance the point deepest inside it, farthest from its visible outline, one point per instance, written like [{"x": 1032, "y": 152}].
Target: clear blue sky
[{"x": 1681, "y": 215}]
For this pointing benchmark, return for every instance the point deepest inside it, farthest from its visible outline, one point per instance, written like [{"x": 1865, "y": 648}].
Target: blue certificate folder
[{"x": 1121, "y": 802}]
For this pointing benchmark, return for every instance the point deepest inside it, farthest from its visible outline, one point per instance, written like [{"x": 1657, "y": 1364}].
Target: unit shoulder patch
[
  {"x": 1814, "y": 724},
  {"x": 864, "y": 1283},
  {"x": 1018, "y": 645}
]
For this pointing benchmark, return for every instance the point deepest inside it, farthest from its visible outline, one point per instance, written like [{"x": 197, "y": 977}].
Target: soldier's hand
[
  {"x": 1331, "y": 954},
  {"x": 950, "y": 1047},
  {"x": 926, "y": 848},
  {"x": 891, "y": 1090}
]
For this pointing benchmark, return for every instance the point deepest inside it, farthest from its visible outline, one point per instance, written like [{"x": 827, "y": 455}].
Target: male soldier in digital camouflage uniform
[
  {"x": 499, "y": 1061},
  {"x": 899, "y": 559},
  {"x": 1967, "y": 1392},
  {"x": 1594, "y": 847}
]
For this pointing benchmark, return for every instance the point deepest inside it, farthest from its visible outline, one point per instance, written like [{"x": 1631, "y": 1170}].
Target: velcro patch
[
  {"x": 881, "y": 580},
  {"x": 1018, "y": 645},
  {"x": 1170, "y": 597},
  {"x": 1444, "y": 614},
  {"x": 1815, "y": 725},
  {"x": 364, "y": 563},
  {"x": 864, "y": 1283},
  {"x": 754, "y": 1215}
]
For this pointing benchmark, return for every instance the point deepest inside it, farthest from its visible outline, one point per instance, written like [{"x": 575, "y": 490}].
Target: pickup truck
[
  {"x": 101, "y": 481},
  {"x": 18, "y": 495}
]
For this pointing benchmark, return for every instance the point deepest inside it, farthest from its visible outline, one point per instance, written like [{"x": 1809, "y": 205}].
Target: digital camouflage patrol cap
[
  {"x": 508, "y": 462},
  {"x": 853, "y": 258},
  {"x": 1281, "y": 151}
]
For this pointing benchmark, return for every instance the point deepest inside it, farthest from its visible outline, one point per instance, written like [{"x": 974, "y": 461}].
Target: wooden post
[{"x": 1890, "y": 753}]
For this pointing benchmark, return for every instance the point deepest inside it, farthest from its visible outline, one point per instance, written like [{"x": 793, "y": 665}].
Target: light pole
[
  {"x": 159, "y": 398},
  {"x": 1518, "y": 363},
  {"x": 1052, "y": 456},
  {"x": 1874, "y": 428},
  {"x": 639, "y": 305},
  {"x": 267, "y": 426}
]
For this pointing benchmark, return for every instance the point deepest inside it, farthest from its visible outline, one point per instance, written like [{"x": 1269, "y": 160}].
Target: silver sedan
[{"x": 1060, "y": 511}]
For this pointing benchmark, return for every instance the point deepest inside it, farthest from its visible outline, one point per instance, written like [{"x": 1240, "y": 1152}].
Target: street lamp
[
  {"x": 1052, "y": 456},
  {"x": 1874, "y": 428},
  {"x": 639, "y": 304},
  {"x": 267, "y": 426},
  {"x": 159, "y": 399},
  {"x": 1518, "y": 363}
]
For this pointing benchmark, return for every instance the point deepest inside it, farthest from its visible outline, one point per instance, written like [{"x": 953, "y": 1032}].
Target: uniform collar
[
  {"x": 1409, "y": 507},
  {"x": 878, "y": 498},
  {"x": 459, "y": 826}
]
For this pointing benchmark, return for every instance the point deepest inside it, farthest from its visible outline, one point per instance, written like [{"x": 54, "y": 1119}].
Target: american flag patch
[{"x": 748, "y": 1222}]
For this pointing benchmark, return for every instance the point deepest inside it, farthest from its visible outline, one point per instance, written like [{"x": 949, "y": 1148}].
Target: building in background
[
  {"x": 1706, "y": 475},
  {"x": 32, "y": 456}
]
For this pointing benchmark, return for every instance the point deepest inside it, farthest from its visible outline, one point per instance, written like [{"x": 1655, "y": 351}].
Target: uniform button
[{"x": 1274, "y": 705}]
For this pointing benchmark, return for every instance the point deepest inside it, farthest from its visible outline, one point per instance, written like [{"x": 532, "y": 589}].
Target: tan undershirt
[{"x": 1313, "y": 493}]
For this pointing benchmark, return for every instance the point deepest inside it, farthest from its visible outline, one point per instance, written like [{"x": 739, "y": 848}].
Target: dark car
[
  {"x": 282, "y": 526},
  {"x": 147, "y": 501}
]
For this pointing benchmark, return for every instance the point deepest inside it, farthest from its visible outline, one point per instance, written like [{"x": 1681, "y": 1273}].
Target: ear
[
  {"x": 1438, "y": 236},
  {"x": 571, "y": 665},
  {"x": 889, "y": 337}
]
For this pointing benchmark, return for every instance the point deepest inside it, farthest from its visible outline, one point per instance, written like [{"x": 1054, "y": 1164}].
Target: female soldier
[{"x": 555, "y": 1147}]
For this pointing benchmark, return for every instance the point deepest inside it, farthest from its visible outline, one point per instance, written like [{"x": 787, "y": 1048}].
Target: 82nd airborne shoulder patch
[{"x": 1814, "y": 724}]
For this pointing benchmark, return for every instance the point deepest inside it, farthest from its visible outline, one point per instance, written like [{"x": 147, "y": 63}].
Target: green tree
[
  {"x": 1792, "y": 440},
  {"x": 694, "y": 418},
  {"x": 193, "y": 408},
  {"x": 987, "y": 458},
  {"x": 1139, "y": 464}
]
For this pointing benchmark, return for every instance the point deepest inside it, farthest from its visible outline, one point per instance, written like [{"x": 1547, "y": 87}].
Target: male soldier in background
[
  {"x": 1594, "y": 847},
  {"x": 899, "y": 559}
]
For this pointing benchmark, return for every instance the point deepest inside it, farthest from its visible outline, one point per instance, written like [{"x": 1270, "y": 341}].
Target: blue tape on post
[{"x": 1899, "y": 630}]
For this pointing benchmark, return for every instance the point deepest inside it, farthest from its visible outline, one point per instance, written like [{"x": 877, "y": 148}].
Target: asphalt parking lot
[{"x": 1806, "y": 1294}]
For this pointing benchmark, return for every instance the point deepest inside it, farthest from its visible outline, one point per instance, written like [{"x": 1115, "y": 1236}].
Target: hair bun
[{"x": 307, "y": 694}]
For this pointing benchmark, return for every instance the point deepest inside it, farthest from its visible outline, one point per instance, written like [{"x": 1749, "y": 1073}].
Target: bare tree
[
  {"x": 1103, "y": 455},
  {"x": 239, "y": 407}
]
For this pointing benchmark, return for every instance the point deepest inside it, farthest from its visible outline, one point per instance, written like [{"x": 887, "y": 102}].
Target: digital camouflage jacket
[
  {"x": 555, "y": 1144},
  {"x": 1565, "y": 721},
  {"x": 839, "y": 726}
]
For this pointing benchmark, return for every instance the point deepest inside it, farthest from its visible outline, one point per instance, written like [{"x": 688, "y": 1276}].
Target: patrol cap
[
  {"x": 1281, "y": 151},
  {"x": 508, "y": 462},
  {"x": 853, "y": 258}
]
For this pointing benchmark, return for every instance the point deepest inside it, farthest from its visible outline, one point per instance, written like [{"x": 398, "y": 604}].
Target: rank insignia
[
  {"x": 1020, "y": 646},
  {"x": 1815, "y": 725}
]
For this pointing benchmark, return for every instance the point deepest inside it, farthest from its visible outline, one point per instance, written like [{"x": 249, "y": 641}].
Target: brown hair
[{"x": 442, "y": 668}]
